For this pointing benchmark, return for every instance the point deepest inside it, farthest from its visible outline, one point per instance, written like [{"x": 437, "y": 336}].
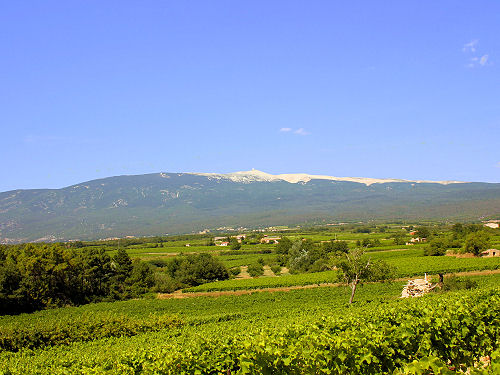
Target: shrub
[
  {"x": 255, "y": 270},
  {"x": 276, "y": 269},
  {"x": 235, "y": 271},
  {"x": 436, "y": 247},
  {"x": 458, "y": 283},
  {"x": 196, "y": 269},
  {"x": 165, "y": 284}
]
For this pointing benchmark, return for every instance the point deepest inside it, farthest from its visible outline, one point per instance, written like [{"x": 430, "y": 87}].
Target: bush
[
  {"x": 436, "y": 247},
  {"x": 276, "y": 269},
  {"x": 196, "y": 269},
  {"x": 235, "y": 245},
  {"x": 458, "y": 283},
  {"x": 165, "y": 284},
  {"x": 235, "y": 271},
  {"x": 255, "y": 270}
]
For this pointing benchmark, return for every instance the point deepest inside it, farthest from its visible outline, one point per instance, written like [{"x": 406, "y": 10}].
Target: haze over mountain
[{"x": 160, "y": 203}]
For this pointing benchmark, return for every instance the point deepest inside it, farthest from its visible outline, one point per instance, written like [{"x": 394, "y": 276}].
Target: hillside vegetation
[{"x": 162, "y": 203}]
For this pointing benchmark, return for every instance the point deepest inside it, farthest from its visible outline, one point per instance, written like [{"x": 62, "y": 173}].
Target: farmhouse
[
  {"x": 492, "y": 225},
  {"x": 222, "y": 244},
  {"x": 413, "y": 241},
  {"x": 270, "y": 240},
  {"x": 240, "y": 237},
  {"x": 491, "y": 253}
]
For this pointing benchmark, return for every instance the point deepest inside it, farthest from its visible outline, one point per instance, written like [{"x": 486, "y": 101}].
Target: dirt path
[
  {"x": 285, "y": 271},
  {"x": 243, "y": 273},
  {"x": 268, "y": 272},
  {"x": 179, "y": 294}
]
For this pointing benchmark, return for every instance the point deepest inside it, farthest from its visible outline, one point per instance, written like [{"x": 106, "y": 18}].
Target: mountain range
[{"x": 160, "y": 203}]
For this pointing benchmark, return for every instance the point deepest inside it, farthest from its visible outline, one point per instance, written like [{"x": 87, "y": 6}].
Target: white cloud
[
  {"x": 471, "y": 46},
  {"x": 475, "y": 61},
  {"x": 479, "y": 61},
  {"x": 301, "y": 131},
  {"x": 484, "y": 60}
]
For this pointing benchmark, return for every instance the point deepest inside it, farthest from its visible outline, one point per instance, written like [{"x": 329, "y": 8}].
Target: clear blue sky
[{"x": 405, "y": 89}]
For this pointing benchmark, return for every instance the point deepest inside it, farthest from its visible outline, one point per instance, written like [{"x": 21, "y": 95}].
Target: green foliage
[
  {"x": 362, "y": 230},
  {"x": 368, "y": 242},
  {"x": 267, "y": 282},
  {"x": 234, "y": 244},
  {"x": 276, "y": 268},
  {"x": 335, "y": 247},
  {"x": 196, "y": 269},
  {"x": 256, "y": 269},
  {"x": 355, "y": 268},
  {"x": 164, "y": 283},
  {"x": 306, "y": 256},
  {"x": 235, "y": 271},
  {"x": 437, "y": 246},
  {"x": 399, "y": 337},
  {"x": 424, "y": 232},
  {"x": 36, "y": 277},
  {"x": 141, "y": 278},
  {"x": 476, "y": 242},
  {"x": 408, "y": 263},
  {"x": 460, "y": 230},
  {"x": 78, "y": 328},
  {"x": 399, "y": 239},
  {"x": 458, "y": 283}
]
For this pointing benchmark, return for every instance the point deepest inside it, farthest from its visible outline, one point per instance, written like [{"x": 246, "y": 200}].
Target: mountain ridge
[{"x": 160, "y": 203}]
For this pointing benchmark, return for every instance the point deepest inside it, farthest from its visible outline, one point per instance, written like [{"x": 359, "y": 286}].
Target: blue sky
[{"x": 404, "y": 89}]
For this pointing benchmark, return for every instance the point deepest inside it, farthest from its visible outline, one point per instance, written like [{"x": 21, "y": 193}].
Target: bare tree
[{"x": 356, "y": 267}]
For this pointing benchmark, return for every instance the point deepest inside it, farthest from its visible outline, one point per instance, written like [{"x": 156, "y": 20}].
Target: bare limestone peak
[{"x": 256, "y": 175}]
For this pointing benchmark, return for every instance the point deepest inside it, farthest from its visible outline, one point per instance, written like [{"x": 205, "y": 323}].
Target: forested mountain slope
[{"x": 182, "y": 202}]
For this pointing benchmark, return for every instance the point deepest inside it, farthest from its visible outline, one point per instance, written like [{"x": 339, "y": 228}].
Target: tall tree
[{"x": 476, "y": 242}]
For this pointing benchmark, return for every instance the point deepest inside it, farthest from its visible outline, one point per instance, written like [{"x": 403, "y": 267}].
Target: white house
[{"x": 492, "y": 225}]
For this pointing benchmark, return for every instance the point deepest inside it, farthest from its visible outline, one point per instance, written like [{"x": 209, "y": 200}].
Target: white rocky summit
[{"x": 255, "y": 175}]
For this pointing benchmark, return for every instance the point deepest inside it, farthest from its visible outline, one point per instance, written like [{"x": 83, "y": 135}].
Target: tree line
[
  {"x": 34, "y": 277},
  {"x": 468, "y": 238}
]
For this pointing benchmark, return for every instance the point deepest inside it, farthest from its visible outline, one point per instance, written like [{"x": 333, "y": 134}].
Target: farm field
[
  {"x": 298, "y": 323},
  {"x": 212, "y": 335},
  {"x": 409, "y": 263}
]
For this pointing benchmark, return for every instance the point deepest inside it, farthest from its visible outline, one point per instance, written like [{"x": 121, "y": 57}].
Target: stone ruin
[{"x": 417, "y": 288}]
